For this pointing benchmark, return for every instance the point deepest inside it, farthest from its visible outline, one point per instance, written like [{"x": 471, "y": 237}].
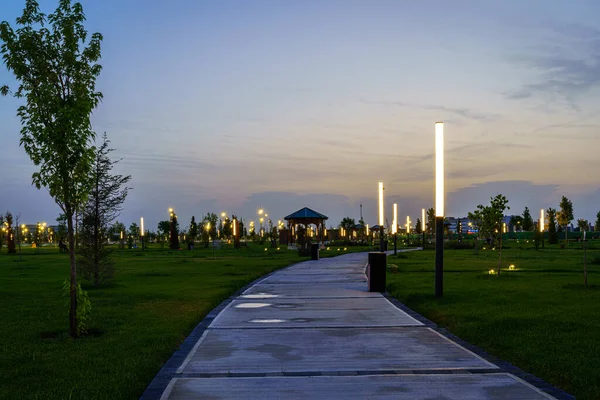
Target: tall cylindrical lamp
[
  {"x": 381, "y": 245},
  {"x": 439, "y": 209}
]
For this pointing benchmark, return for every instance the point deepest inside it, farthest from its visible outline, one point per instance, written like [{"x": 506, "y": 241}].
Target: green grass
[
  {"x": 538, "y": 317},
  {"x": 156, "y": 299}
]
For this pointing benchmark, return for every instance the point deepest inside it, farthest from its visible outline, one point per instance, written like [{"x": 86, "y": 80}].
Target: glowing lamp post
[
  {"x": 142, "y": 231},
  {"x": 395, "y": 228},
  {"x": 542, "y": 221},
  {"x": 439, "y": 209},
  {"x": 381, "y": 246},
  {"x": 408, "y": 221},
  {"x": 423, "y": 227}
]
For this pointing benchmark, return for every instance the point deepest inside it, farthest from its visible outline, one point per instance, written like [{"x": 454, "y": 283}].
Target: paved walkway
[{"x": 312, "y": 331}]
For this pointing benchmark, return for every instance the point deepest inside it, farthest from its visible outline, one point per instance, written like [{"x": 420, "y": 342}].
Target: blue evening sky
[{"x": 228, "y": 105}]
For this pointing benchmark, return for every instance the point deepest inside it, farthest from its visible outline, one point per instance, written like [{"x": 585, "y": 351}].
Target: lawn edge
[{"x": 505, "y": 366}]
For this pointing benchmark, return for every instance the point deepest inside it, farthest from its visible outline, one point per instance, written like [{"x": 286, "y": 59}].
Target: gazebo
[{"x": 306, "y": 217}]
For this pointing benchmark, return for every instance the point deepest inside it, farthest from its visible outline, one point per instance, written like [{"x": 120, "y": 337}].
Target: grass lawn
[
  {"x": 538, "y": 317},
  {"x": 156, "y": 299}
]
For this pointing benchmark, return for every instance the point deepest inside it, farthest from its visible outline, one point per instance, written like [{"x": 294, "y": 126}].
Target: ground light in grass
[
  {"x": 511, "y": 267},
  {"x": 492, "y": 272}
]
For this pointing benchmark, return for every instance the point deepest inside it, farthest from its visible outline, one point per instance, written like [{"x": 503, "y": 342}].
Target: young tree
[
  {"x": 565, "y": 215},
  {"x": 57, "y": 76},
  {"x": 193, "y": 231},
  {"x": 597, "y": 224},
  {"x": 211, "y": 219},
  {"x": 134, "y": 231},
  {"x": 527, "y": 220},
  {"x": 430, "y": 225},
  {"x": 491, "y": 222},
  {"x": 476, "y": 219},
  {"x": 226, "y": 230},
  {"x": 552, "y": 234},
  {"x": 105, "y": 203},
  {"x": 418, "y": 226}
]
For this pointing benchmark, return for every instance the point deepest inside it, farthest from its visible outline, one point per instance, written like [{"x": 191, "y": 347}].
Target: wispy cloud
[
  {"x": 567, "y": 68},
  {"x": 463, "y": 112}
]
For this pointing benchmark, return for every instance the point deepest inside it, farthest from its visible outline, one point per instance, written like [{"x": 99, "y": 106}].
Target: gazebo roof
[{"x": 305, "y": 213}]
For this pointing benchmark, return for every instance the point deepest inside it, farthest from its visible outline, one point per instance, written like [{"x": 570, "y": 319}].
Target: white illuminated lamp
[
  {"x": 439, "y": 169},
  {"x": 439, "y": 209},
  {"x": 142, "y": 226},
  {"x": 367, "y": 229},
  {"x": 542, "y": 220},
  {"x": 380, "y": 203},
  {"x": 423, "y": 220},
  {"x": 234, "y": 227},
  {"x": 395, "y": 226},
  {"x": 407, "y": 224}
]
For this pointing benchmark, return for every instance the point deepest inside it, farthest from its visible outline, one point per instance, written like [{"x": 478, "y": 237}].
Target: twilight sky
[{"x": 227, "y": 105}]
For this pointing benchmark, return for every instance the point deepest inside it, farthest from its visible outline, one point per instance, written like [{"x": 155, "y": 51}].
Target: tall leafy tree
[
  {"x": 528, "y": 224},
  {"x": 515, "y": 223},
  {"x": 418, "y": 226},
  {"x": 551, "y": 223},
  {"x": 116, "y": 229},
  {"x": 583, "y": 224},
  {"x": 565, "y": 215},
  {"x": 57, "y": 74},
  {"x": 597, "y": 223},
  {"x": 163, "y": 229},
  {"x": 104, "y": 205},
  {"x": 348, "y": 224}
]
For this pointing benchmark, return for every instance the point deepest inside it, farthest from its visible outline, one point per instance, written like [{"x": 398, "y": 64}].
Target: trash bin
[
  {"x": 314, "y": 251},
  {"x": 377, "y": 270}
]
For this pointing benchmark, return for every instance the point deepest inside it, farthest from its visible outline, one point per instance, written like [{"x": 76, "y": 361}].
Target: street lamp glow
[
  {"x": 380, "y": 203},
  {"x": 367, "y": 229},
  {"x": 234, "y": 227},
  {"x": 439, "y": 169},
  {"x": 407, "y": 224},
  {"x": 542, "y": 220},
  {"x": 423, "y": 220},
  {"x": 395, "y": 226},
  {"x": 504, "y": 227},
  {"x": 223, "y": 214},
  {"x": 142, "y": 226}
]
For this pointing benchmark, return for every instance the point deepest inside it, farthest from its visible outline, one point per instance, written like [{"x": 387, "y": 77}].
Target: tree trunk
[
  {"x": 566, "y": 240},
  {"x": 73, "y": 285},
  {"x": 97, "y": 231}
]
